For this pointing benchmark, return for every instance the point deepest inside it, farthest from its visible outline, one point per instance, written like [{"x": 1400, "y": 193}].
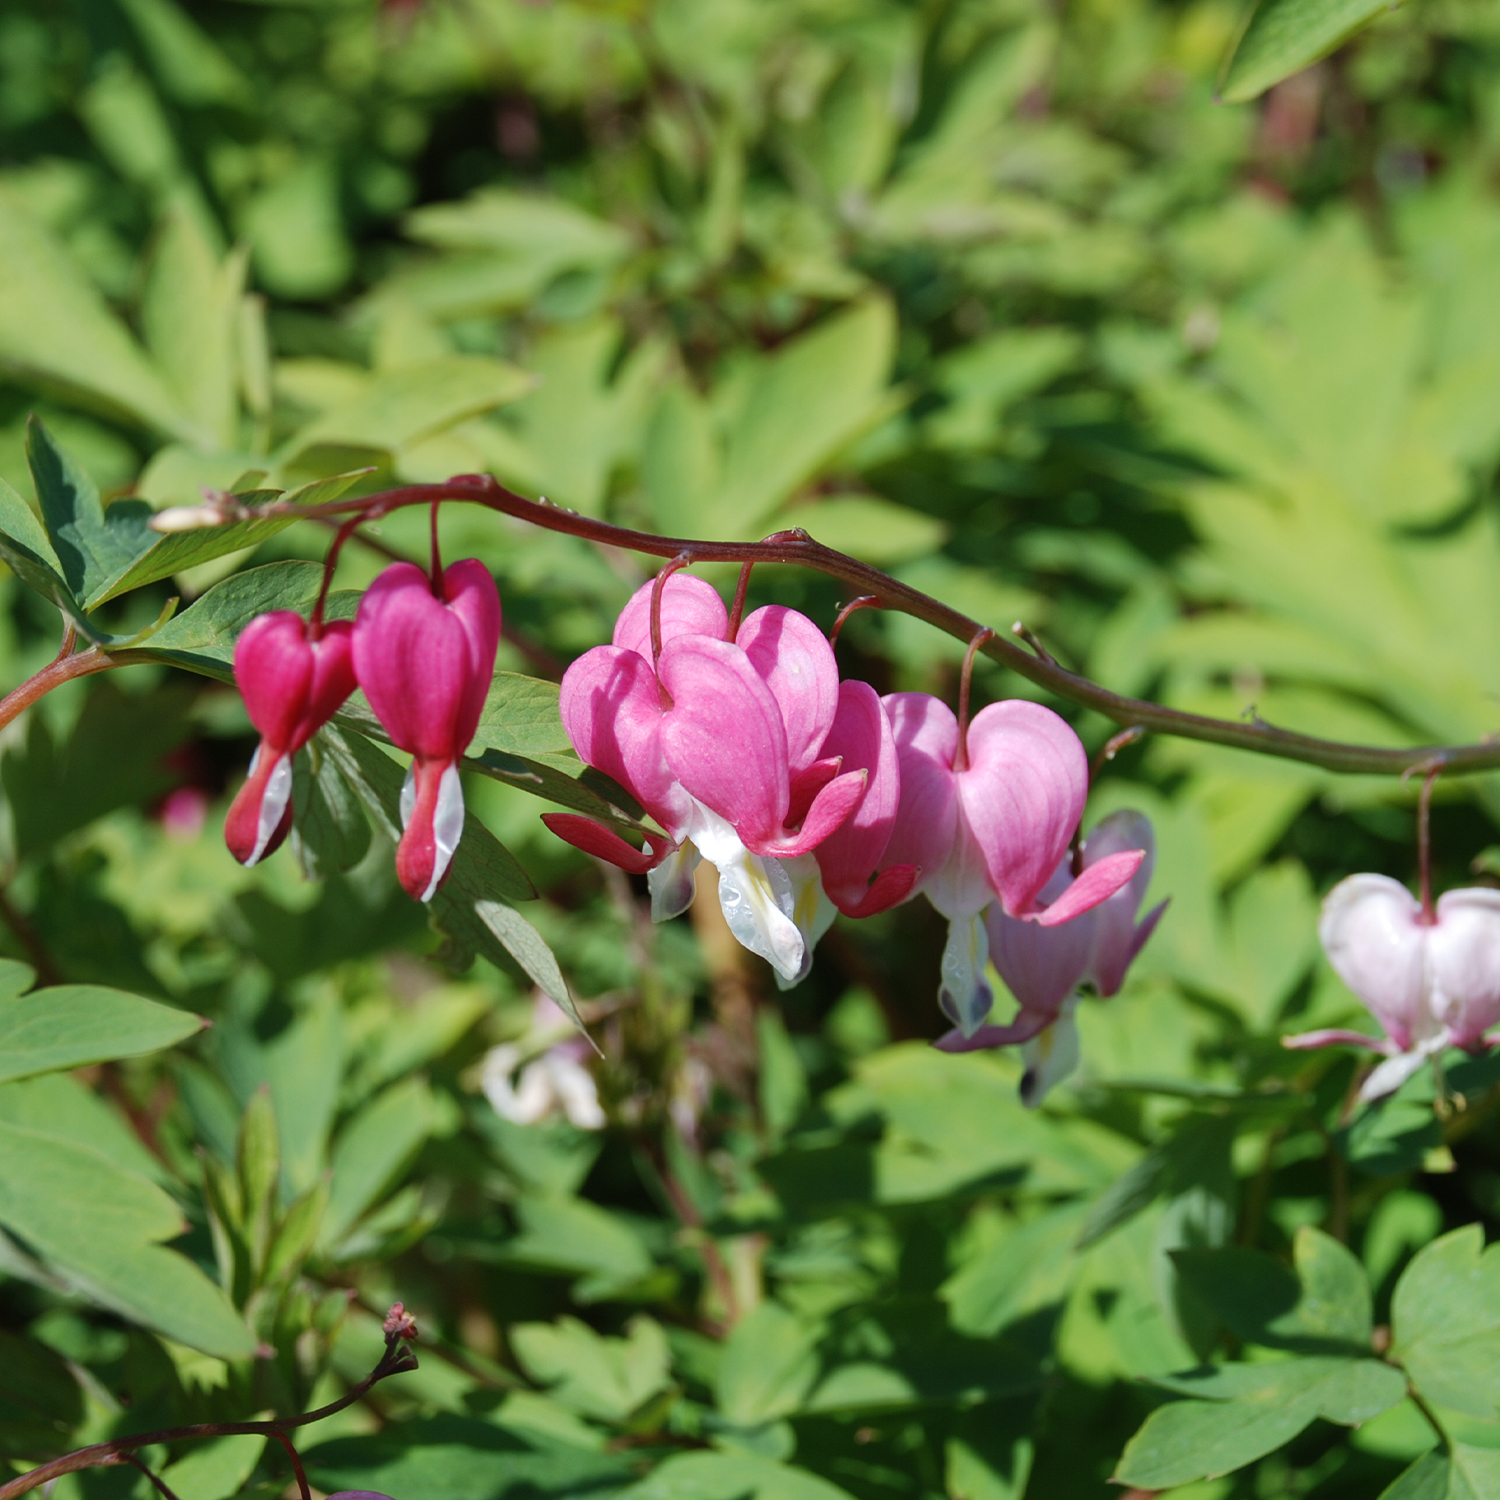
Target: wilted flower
[
  {"x": 292, "y": 686},
  {"x": 1431, "y": 982},
  {"x": 424, "y": 652},
  {"x": 1043, "y": 966},
  {"x": 990, "y": 821}
]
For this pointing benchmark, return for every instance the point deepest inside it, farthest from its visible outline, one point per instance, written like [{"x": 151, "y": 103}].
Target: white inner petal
[
  {"x": 272, "y": 804},
  {"x": 671, "y": 882},
  {"x": 408, "y": 804},
  {"x": 812, "y": 911},
  {"x": 447, "y": 826},
  {"x": 1050, "y": 1056},
  {"x": 756, "y": 894},
  {"x": 964, "y": 996}
]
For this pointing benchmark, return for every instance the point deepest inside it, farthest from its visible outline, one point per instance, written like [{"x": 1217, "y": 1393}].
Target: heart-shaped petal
[
  {"x": 1464, "y": 963},
  {"x": 689, "y": 606},
  {"x": 1371, "y": 931},
  {"x": 796, "y": 662}
]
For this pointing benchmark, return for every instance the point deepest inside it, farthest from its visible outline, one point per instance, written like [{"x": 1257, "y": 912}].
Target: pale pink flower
[{"x": 1431, "y": 984}]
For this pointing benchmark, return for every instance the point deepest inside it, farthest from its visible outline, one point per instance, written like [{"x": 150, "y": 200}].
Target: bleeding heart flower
[
  {"x": 1043, "y": 966},
  {"x": 292, "y": 686},
  {"x": 723, "y": 744},
  {"x": 1430, "y": 984},
  {"x": 992, "y": 826},
  {"x": 425, "y": 660}
]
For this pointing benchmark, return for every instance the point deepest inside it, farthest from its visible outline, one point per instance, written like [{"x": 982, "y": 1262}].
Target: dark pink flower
[
  {"x": 292, "y": 686},
  {"x": 992, "y": 829},
  {"x": 425, "y": 661}
]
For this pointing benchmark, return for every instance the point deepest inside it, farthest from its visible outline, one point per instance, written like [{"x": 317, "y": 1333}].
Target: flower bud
[
  {"x": 292, "y": 686},
  {"x": 425, "y": 659}
]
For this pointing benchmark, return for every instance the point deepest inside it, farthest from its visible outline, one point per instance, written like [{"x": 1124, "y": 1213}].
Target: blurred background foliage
[{"x": 991, "y": 293}]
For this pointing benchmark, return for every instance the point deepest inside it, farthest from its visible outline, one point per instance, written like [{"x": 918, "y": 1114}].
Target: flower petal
[
  {"x": 260, "y": 816},
  {"x": 1023, "y": 795},
  {"x": 432, "y": 815},
  {"x": 1333, "y": 1036},
  {"x": 987, "y": 1038},
  {"x": 1050, "y": 1056},
  {"x": 671, "y": 882},
  {"x": 1042, "y": 966},
  {"x": 796, "y": 662},
  {"x": 1117, "y": 939},
  {"x": 723, "y": 736},
  {"x": 1097, "y": 883},
  {"x": 273, "y": 667},
  {"x": 861, "y": 736},
  {"x": 831, "y": 808},
  {"x": 689, "y": 606},
  {"x": 611, "y": 709},
  {"x": 603, "y": 843},
  {"x": 925, "y": 733},
  {"x": 1370, "y": 931},
  {"x": 474, "y": 601},
  {"x": 1463, "y": 955},
  {"x": 964, "y": 995}
]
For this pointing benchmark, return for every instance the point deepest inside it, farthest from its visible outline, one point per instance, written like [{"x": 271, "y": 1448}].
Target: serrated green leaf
[
  {"x": 1445, "y": 1322},
  {"x": 576, "y": 1237},
  {"x": 605, "y": 1378},
  {"x": 1251, "y": 1410},
  {"x": 71, "y": 1026},
  {"x": 1285, "y": 36},
  {"x": 330, "y": 832},
  {"x": 770, "y": 1364},
  {"x": 1462, "y": 1472}
]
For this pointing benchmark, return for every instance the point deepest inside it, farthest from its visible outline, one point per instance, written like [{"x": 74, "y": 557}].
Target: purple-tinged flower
[
  {"x": 723, "y": 744},
  {"x": 1044, "y": 966},
  {"x": 1430, "y": 983},
  {"x": 425, "y": 659},
  {"x": 991, "y": 825},
  {"x": 292, "y": 686},
  {"x": 544, "y": 1074}
]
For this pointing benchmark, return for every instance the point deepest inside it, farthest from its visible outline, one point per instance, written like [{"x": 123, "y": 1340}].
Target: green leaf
[
  {"x": 1285, "y": 36},
  {"x": 579, "y": 1238},
  {"x": 1251, "y": 1410},
  {"x": 215, "y": 1470},
  {"x": 1322, "y": 1306},
  {"x": 201, "y": 639},
  {"x": 93, "y": 545},
  {"x": 521, "y": 717},
  {"x": 55, "y": 329},
  {"x": 606, "y": 1378},
  {"x": 730, "y": 1476},
  {"x": 1445, "y": 1323},
  {"x": 25, "y": 546},
  {"x": 398, "y": 408},
  {"x": 769, "y": 1365},
  {"x": 98, "y": 1225},
  {"x": 873, "y": 530},
  {"x": 73, "y": 1025},
  {"x": 40, "y": 1401},
  {"x": 372, "y": 1149},
  {"x": 1463, "y": 1472},
  {"x": 330, "y": 832}
]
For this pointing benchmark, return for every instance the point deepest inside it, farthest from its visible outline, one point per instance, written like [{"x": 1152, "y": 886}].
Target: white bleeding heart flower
[{"x": 1432, "y": 982}]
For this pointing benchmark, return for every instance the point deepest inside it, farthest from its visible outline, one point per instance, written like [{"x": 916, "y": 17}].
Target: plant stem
[{"x": 799, "y": 549}]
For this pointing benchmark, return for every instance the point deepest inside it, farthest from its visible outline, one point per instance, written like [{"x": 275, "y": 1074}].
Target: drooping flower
[
  {"x": 1431, "y": 984},
  {"x": 292, "y": 686},
  {"x": 425, "y": 658},
  {"x": 991, "y": 826},
  {"x": 723, "y": 743},
  {"x": 1043, "y": 966}
]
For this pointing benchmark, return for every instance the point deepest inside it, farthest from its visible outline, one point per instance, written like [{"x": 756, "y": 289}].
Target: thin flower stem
[
  {"x": 1034, "y": 641},
  {"x": 1432, "y": 1417},
  {"x": 865, "y": 601},
  {"x": 1112, "y": 747},
  {"x": 305, "y": 1493},
  {"x": 799, "y": 549},
  {"x": 737, "y": 612},
  {"x": 397, "y": 1359},
  {"x": 1424, "y": 844},
  {"x": 437, "y": 561},
  {"x": 966, "y": 677},
  {"x": 330, "y": 562},
  {"x": 158, "y": 1483},
  {"x": 682, "y": 560},
  {"x": 63, "y": 669}
]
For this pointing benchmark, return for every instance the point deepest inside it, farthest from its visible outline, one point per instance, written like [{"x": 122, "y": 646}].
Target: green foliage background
[{"x": 990, "y": 293}]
